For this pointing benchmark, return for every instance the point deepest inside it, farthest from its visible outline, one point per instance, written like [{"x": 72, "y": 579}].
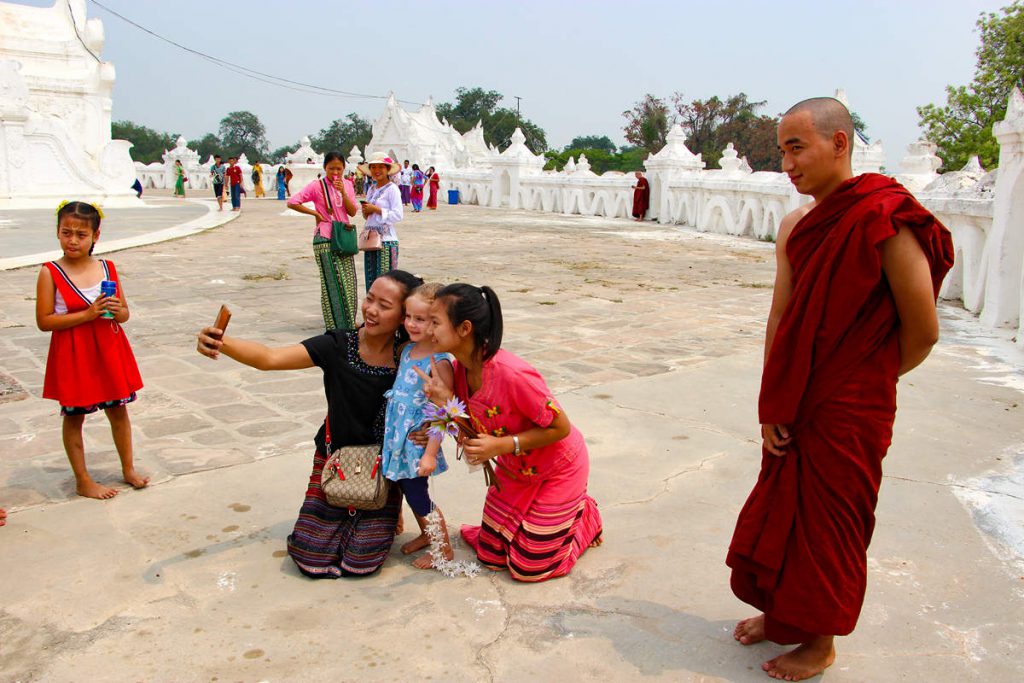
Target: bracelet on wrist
[{"x": 515, "y": 445}]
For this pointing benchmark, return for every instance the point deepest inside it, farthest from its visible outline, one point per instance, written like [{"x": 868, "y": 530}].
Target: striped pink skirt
[{"x": 538, "y": 527}]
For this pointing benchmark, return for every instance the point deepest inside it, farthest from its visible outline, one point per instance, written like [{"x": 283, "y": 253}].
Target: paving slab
[{"x": 650, "y": 336}]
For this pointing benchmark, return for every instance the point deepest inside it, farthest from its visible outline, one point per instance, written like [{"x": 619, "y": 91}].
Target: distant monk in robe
[
  {"x": 858, "y": 273},
  {"x": 641, "y": 196}
]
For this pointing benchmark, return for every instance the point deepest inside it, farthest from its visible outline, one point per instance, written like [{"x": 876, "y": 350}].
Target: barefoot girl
[
  {"x": 90, "y": 365},
  {"x": 405, "y": 462},
  {"x": 538, "y": 520}
]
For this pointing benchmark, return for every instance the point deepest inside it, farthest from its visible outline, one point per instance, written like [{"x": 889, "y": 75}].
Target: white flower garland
[{"x": 450, "y": 568}]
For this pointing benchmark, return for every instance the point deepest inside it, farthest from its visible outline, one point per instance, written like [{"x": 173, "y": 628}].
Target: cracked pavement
[{"x": 651, "y": 338}]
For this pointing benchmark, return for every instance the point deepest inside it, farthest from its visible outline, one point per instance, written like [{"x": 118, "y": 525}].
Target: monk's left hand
[
  {"x": 776, "y": 438},
  {"x": 483, "y": 448}
]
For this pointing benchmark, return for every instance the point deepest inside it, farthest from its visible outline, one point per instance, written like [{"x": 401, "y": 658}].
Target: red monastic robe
[
  {"x": 799, "y": 552},
  {"x": 641, "y": 198}
]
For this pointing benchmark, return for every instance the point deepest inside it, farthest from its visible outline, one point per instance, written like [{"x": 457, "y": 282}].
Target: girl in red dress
[{"x": 90, "y": 365}]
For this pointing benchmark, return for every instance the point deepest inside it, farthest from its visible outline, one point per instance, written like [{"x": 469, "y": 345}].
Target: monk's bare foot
[
  {"x": 90, "y": 489},
  {"x": 806, "y": 661},
  {"x": 750, "y": 631},
  {"x": 415, "y": 545},
  {"x": 136, "y": 480},
  {"x": 3, "y": 516}
]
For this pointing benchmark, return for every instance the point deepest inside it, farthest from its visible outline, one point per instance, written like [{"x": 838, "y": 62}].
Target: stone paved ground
[{"x": 650, "y": 336}]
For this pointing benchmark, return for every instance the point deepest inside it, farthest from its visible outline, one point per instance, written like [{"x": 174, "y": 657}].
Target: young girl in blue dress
[{"x": 404, "y": 462}]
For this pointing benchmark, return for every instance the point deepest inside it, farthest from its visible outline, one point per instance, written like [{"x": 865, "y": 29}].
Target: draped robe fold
[{"x": 799, "y": 551}]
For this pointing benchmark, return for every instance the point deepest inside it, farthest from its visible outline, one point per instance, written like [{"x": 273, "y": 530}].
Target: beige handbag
[
  {"x": 353, "y": 477},
  {"x": 369, "y": 240}
]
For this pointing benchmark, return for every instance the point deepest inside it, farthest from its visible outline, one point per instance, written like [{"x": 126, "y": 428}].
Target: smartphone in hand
[{"x": 223, "y": 318}]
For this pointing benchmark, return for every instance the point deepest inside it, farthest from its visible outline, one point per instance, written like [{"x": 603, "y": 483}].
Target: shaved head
[{"x": 828, "y": 115}]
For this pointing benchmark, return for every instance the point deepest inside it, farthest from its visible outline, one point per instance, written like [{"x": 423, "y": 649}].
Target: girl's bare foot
[
  {"x": 416, "y": 544},
  {"x": 424, "y": 561},
  {"x": 598, "y": 540},
  {"x": 3, "y": 516},
  {"x": 400, "y": 526},
  {"x": 806, "y": 661},
  {"x": 90, "y": 489},
  {"x": 750, "y": 631},
  {"x": 135, "y": 479}
]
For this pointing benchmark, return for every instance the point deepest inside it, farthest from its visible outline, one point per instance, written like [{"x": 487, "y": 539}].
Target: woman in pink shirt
[{"x": 333, "y": 199}]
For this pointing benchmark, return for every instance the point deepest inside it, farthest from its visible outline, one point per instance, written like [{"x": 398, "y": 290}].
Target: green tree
[
  {"x": 963, "y": 127},
  {"x": 859, "y": 126},
  {"x": 500, "y": 125},
  {"x": 342, "y": 134},
  {"x": 712, "y": 124},
  {"x": 648, "y": 123},
  {"x": 471, "y": 105},
  {"x": 207, "y": 146},
  {"x": 278, "y": 155},
  {"x": 474, "y": 105},
  {"x": 148, "y": 145},
  {"x": 592, "y": 142},
  {"x": 242, "y": 133}
]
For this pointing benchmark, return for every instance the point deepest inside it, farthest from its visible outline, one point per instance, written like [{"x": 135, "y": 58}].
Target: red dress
[
  {"x": 435, "y": 183},
  {"x": 89, "y": 363}
]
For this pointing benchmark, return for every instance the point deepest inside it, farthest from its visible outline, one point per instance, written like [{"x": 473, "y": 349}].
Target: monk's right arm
[{"x": 253, "y": 354}]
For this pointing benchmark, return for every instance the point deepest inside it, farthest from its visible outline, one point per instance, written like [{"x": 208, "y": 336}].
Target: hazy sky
[{"x": 576, "y": 65}]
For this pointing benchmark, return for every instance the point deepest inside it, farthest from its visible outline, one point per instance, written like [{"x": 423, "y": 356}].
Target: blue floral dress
[{"x": 406, "y": 399}]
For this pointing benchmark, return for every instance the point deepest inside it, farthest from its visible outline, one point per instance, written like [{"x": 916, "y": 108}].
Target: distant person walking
[
  {"x": 435, "y": 184},
  {"x": 333, "y": 199},
  {"x": 234, "y": 176},
  {"x": 405, "y": 182},
  {"x": 416, "y": 193},
  {"x": 281, "y": 186},
  {"x": 217, "y": 180},
  {"x": 382, "y": 209},
  {"x": 257, "y": 179},
  {"x": 641, "y": 196},
  {"x": 179, "y": 179}
]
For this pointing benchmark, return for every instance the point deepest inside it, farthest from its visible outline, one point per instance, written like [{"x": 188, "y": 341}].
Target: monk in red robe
[
  {"x": 641, "y": 196},
  {"x": 858, "y": 273}
]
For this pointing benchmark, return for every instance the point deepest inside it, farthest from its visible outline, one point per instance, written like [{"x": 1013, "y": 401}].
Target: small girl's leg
[
  {"x": 426, "y": 560},
  {"x": 121, "y": 428},
  {"x": 74, "y": 446},
  {"x": 410, "y": 491}
]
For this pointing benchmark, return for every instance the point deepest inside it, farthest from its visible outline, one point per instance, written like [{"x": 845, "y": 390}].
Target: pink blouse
[
  {"x": 314, "y": 193},
  {"x": 512, "y": 398}
]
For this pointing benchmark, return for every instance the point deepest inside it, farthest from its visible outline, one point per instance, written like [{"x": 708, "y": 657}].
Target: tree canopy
[
  {"x": 712, "y": 124},
  {"x": 963, "y": 126},
  {"x": 592, "y": 142},
  {"x": 342, "y": 134},
  {"x": 474, "y": 105},
  {"x": 148, "y": 145},
  {"x": 241, "y": 132},
  {"x": 648, "y": 123}
]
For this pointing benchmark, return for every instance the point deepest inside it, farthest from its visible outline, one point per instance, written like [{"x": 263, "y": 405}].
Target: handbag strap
[
  {"x": 327, "y": 434},
  {"x": 327, "y": 199}
]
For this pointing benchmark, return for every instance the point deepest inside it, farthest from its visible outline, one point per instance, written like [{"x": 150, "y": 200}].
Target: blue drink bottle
[{"x": 108, "y": 288}]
